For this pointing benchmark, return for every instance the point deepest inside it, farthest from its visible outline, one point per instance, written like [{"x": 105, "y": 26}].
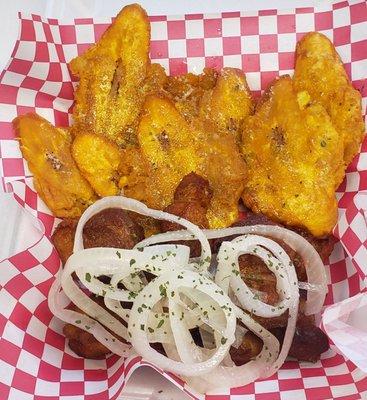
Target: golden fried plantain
[
  {"x": 56, "y": 176},
  {"x": 112, "y": 72},
  {"x": 229, "y": 103},
  {"x": 186, "y": 91},
  {"x": 294, "y": 158},
  {"x": 134, "y": 171},
  {"x": 168, "y": 144},
  {"x": 320, "y": 71},
  {"x": 98, "y": 160},
  {"x": 173, "y": 148}
]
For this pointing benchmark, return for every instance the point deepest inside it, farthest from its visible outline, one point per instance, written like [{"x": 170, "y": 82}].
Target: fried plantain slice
[
  {"x": 98, "y": 160},
  {"x": 186, "y": 91},
  {"x": 294, "y": 158},
  {"x": 320, "y": 71},
  {"x": 56, "y": 176},
  {"x": 168, "y": 143},
  {"x": 109, "y": 96},
  {"x": 229, "y": 103},
  {"x": 173, "y": 148}
]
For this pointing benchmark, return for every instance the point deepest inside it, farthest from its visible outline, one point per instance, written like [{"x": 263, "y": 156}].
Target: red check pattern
[{"x": 35, "y": 362}]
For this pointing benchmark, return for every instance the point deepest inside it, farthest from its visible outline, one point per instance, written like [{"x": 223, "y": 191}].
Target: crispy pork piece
[
  {"x": 83, "y": 343},
  {"x": 109, "y": 228},
  {"x": 112, "y": 227},
  {"x": 229, "y": 103},
  {"x": 294, "y": 159},
  {"x": 173, "y": 148},
  {"x": 281, "y": 320},
  {"x": 98, "y": 160},
  {"x": 250, "y": 347},
  {"x": 191, "y": 201},
  {"x": 324, "y": 246},
  {"x": 320, "y": 71},
  {"x": 56, "y": 176},
  {"x": 309, "y": 342},
  {"x": 112, "y": 73},
  {"x": 63, "y": 238}
]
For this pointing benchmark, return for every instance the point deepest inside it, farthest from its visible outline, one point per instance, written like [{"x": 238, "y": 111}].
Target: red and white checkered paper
[{"x": 35, "y": 361}]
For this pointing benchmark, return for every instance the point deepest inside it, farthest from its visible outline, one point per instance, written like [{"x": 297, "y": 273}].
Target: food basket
[{"x": 35, "y": 360}]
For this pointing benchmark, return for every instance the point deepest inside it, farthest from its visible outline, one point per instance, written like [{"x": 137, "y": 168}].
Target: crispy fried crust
[
  {"x": 173, "y": 148},
  {"x": 134, "y": 170},
  {"x": 320, "y": 71},
  {"x": 186, "y": 91},
  {"x": 191, "y": 201},
  {"x": 83, "y": 343},
  {"x": 229, "y": 103},
  {"x": 294, "y": 159},
  {"x": 98, "y": 160},
  {"x": 309, "y": 342},
  {"x": 250, "y": 347},
  {"x": 109, "y": 228},
  {"x": 112, "y": 72},
  {"x": 63, "y": 238},
  {"x": 56, "y": 176},
  {"x": 112, "y": 227}
]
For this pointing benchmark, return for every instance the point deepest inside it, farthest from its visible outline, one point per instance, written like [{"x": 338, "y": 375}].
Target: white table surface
[{"x": 145, "y": 384}]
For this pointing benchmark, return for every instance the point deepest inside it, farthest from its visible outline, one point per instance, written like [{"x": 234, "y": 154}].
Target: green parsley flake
[
  {"x": 160, "y": 323},
  {"x": 163, "y": 290}
]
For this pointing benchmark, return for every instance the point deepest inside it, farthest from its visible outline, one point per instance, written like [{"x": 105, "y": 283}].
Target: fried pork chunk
[
  {"x": 82, "y": 343},
  {"x": 191, "y": 201},
  {"x": 63, "y": 238},
  {"x": 56, "y": 176},
  {"x": 109, "y": 228},
  {"x": 294, "y": 159},
  {"x": 112, "y": 227},
  {"x": 320, "y": 71},
  {"x": 259, "y": 278}
]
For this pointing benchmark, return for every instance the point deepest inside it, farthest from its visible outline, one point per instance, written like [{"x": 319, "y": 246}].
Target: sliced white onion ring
[
  {"x": 285, "y": 273},
  {"x": 316, "y": 275},
  {"x": 128, "y": 204},
  {"x": 223, "y": 377},
  {"x": 169, "y": 285},
  {"x": 84, "y": 322},
  {"x": 228, "y": 273},
  {"x": 94, "y": 262}
]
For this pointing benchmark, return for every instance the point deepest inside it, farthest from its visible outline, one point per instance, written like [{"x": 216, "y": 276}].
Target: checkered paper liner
[{"x": 35, "y": 361}]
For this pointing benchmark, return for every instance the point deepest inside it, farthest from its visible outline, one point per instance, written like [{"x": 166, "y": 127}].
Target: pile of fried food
[{"x": 195, "y": 146}]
